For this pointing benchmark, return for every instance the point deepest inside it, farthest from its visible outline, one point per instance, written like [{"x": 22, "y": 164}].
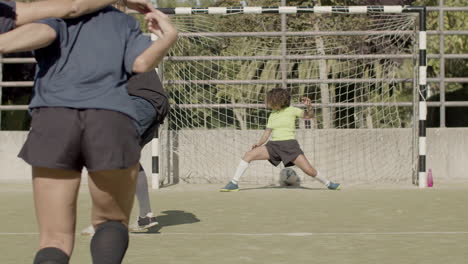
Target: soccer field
[{"x": 266, "y": 224}]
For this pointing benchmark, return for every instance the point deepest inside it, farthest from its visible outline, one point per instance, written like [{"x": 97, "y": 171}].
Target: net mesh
[{"x": 355, "y": 71}]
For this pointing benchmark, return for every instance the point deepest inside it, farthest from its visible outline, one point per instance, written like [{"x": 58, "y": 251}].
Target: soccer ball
[{"x": 288, "y": 177}]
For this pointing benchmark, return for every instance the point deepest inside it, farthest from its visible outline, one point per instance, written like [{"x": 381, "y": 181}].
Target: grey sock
[{"x": 142, "y": 194}]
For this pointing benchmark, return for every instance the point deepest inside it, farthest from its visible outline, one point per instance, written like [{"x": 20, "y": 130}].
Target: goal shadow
[{"x": 272, "y": 186}]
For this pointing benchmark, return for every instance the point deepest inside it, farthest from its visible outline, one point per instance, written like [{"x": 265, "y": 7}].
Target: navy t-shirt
[
  {"x": 7, "y": 16},
  {"x": 88, "y": 64},
  {"x": 148, "y": 86}
]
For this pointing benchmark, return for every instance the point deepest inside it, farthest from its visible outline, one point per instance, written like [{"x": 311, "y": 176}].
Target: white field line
[{"x": 279, "y": 234}]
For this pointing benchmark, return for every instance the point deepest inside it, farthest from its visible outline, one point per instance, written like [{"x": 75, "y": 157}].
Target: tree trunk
[
  {"x": 324, "y": 90},
  {"x": 240, "y": 116}
]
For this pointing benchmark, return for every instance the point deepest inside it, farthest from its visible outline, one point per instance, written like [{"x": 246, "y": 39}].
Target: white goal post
[{"x": 363, "y": 67}]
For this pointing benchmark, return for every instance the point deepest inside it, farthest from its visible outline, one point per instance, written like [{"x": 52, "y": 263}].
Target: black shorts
[
  {"x": 285, "y": 151},
  {"x": 66, "y": 138},
  {"x": 147, "y": 119}
]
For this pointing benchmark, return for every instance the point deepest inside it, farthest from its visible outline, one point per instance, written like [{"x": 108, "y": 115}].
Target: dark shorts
[
  {"x": 66, "y": 138},
  {"x": 147, "y": 119},
  {"x": 285, "y": 151}
]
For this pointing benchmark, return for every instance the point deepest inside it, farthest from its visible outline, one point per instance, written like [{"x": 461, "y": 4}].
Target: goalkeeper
[{"x": 283, "y": 147}]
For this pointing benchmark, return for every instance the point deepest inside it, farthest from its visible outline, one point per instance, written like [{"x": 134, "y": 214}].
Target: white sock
[
  {"x": 243, "y": 165},
  {"x": 142, "y": 194},
  {"x": 322, "y": 179}
]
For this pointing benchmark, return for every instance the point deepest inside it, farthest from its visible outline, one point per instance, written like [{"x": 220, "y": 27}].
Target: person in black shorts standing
[
  {"x": 16, "y": 14},
  {"x": 152, "y": 106},
  {"x": 82, "y": 116}
]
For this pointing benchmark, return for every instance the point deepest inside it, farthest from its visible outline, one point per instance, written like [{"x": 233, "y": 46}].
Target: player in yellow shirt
[{"x": 283, "y": 146}]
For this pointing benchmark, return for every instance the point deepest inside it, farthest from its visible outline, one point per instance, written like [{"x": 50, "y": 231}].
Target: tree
[{"x": 16, "y": 120}]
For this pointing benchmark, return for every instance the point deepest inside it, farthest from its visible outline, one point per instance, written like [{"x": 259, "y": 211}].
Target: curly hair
[{"x": 278, "y": 98}]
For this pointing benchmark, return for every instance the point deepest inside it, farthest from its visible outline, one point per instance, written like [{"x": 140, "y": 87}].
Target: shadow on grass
[
  {"x": 281, "y": 187},
  {"x": 170, "y": 218}
]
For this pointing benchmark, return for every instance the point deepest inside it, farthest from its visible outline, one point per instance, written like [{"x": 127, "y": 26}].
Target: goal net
[{"x": 359, "y": 69}]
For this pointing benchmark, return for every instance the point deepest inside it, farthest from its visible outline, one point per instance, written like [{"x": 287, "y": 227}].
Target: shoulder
[
  {"x": 295, "y": 110},
  {"x": 289, "y": 109},
  {"x": 127, "y": 23},
  {"x": 125, "y": 19},
  {"x": 112, "y": 15},
  {"x": 273, "y": 113}
]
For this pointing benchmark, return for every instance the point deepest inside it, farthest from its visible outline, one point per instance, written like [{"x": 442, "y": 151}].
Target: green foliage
[
  {"x": 453, "y": 44},
  {"x": 258, "y": 69},
  {"x": 269, "y": 70}
]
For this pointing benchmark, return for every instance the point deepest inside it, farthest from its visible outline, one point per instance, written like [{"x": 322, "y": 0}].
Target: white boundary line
[
  {"x": 321, "y": 234},
  {"x": 280, "y": 234}
]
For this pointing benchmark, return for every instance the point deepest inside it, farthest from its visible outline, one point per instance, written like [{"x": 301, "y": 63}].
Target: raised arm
[
  {"x": 30, "y": 12},
  {"x": 81, "y": 7},
  {"x": 263, "y": 139},
  {"x": 160, "y": 25},
  {"x": 308, "y": 112},
  {"x": 28, "y": 37}
]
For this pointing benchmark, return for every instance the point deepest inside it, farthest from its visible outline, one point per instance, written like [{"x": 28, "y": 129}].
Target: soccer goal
[{"x": 363, "y": 67}]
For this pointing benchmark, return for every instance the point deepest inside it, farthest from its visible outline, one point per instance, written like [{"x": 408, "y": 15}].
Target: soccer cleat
[
  {"x": 333, "y": 186},
  {"x": 230, "y": 187},
  {"x": 88, "y": 231},
  {"x": 143, "y": 223},
  {"x": 148, "y": 221}
]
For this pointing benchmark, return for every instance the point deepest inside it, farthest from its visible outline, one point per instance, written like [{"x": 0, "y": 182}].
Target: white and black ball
[{"x": 288, "y": 177}]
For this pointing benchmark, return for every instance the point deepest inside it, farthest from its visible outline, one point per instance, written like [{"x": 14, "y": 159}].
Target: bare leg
[
  {"x": 112, "y": 193},
  {"x": 302, "y": 162},
  {"x": 258, "y": 153},
  {"x": 55, "y": 194}
]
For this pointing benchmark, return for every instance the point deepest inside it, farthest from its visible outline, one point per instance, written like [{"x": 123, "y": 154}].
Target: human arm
[
  {"x": 81, "y": 7},
  {"x": 28, "y": 37},
  {"x": 160, "y": 25},
  {"x": 263, "y": 139},
  {"x": 309, "y": 112},
  {"x": 30, "y": 12}
]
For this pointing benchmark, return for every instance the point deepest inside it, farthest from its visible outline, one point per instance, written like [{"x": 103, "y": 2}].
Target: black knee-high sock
[
  {"x": 51, "y": 255},
  {"x": 109, "y": 243}
]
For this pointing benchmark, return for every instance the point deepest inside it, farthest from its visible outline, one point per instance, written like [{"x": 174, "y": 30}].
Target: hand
[
  {"x": 306, "y": 101},
  {"x": 142, "y": 6},
  {"x": 160, "y": 25},
  {"x": 256, "y": 145}
]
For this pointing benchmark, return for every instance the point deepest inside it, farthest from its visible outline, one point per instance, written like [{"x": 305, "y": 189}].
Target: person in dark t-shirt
[
  {"x": 152, "y": 106},
  {"x": 82, "y": 116}
]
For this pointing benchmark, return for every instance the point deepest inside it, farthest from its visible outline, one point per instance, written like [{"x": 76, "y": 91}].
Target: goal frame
[{"x": 419, "y": 178}]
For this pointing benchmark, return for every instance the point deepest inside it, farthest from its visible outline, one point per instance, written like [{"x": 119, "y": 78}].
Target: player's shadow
[
  {"x": 273, "y": 186},
  {"x": 171, "y": 218}
]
